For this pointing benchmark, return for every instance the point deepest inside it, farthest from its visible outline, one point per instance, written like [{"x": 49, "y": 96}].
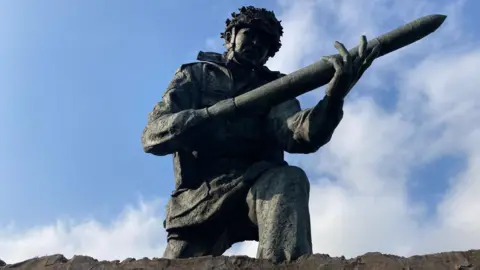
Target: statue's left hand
[{"x": 348, "y": 71}]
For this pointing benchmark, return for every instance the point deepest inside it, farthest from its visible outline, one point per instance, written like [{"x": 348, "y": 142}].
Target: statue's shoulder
[
  {"x": 212, "y": 57},
  {"x": 188, "y": 67},
  {"x": 192, "y": 71},
  {"x": 203, "y": 58}
]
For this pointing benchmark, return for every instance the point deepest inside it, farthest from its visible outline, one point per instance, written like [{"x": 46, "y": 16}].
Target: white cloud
[
  {"x": 300, "y": 37},
  {"x": 137, "y": 232},
  {"x": 359, "y": 197}
]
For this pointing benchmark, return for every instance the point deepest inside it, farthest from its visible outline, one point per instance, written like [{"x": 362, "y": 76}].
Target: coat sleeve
[
  {"x": 304, "y": 131},
  {"x": 174, "y": 123}
]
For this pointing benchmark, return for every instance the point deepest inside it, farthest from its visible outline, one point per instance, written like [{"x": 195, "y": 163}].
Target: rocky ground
[{"x": 448, "y": 260}]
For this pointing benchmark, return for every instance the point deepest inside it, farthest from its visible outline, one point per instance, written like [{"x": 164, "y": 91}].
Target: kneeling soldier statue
[{"x": 232, "y": 182}]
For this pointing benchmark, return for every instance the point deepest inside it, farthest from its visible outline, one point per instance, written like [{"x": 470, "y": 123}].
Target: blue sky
[{"x": 78, "y": 78}]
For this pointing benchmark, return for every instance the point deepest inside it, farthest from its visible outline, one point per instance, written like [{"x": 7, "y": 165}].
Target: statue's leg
[
  {"x": 278, "y": 204},
  {"x": 196, "y": 242}
]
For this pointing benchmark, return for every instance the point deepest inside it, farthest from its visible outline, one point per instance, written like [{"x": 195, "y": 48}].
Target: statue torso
[{"x": 236, "y": 143}]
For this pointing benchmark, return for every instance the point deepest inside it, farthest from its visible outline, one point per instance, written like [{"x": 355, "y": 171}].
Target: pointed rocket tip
[
  {"x": 443, "y": 17},
  {"x": 440, "y": 17},
  {"x": 436, "y": 20}
]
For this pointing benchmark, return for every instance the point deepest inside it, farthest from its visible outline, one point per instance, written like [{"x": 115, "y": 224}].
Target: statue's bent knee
[{"x": 292, "y": 175}]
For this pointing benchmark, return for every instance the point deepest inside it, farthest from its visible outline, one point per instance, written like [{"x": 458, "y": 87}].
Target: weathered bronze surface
[{"x": 228, "y": 142}]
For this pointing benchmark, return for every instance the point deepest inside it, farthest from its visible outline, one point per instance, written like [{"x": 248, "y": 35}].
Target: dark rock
[
  {"x": 127, "y": 260},
  {"x": 449, "y": 260},
  {"x": 2, "y": 263}
]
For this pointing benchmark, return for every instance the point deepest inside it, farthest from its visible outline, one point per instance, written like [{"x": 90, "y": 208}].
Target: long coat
[{"x": 214, "y": 158}]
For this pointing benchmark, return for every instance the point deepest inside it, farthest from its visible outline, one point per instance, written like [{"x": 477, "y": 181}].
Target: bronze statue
[{"x": 232, "y": 182}]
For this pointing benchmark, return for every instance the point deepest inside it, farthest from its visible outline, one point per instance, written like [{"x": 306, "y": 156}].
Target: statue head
[{"x": 252, "y": 36}]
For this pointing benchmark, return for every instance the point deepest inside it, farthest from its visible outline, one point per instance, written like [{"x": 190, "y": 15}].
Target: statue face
[{"x": 251, "y": 46}]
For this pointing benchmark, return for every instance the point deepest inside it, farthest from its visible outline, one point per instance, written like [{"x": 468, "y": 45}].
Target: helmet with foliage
[{"x": 259, "y": 18}]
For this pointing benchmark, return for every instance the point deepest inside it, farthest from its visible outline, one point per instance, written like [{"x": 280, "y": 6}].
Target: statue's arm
[
  {"x": 174, "y": 123},
  {"x": 305, "y": 131}
]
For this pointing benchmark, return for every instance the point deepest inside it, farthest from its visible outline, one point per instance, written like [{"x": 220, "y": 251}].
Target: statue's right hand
[{"x": 222, "y": 108}]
